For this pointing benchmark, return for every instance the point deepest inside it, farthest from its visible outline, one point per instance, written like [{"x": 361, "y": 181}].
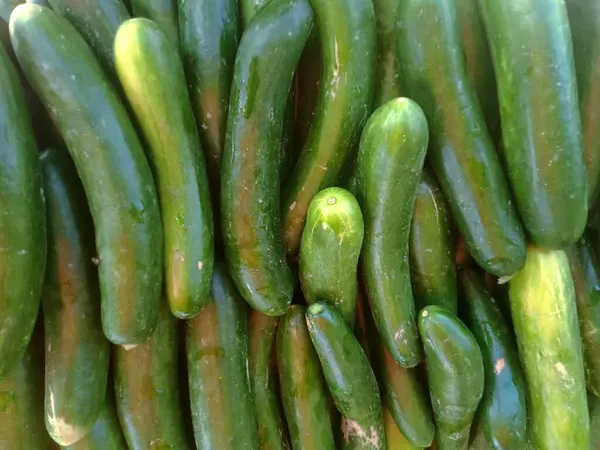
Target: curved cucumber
[
  {"x": 392, "y": 149},
  {"x": 162, "y": 12},
  {"x": 394, "y": 437},
  {"x": 388, "y": 82}
]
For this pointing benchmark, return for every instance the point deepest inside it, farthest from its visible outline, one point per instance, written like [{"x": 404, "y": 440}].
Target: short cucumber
[
  {"x": 388, "y": 81},
  {"x": 163, "y": 12},
  {"x": 394, "y": 437}
]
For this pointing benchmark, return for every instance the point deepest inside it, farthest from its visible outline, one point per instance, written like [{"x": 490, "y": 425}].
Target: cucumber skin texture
[
  {"x": 431, "y": 248},
  {"x": 23, "y": 225},
  {"x": 543, "y": 308},
  {"x": 349, "y": 377},
  {"x": 223, "y": 411},
  {"x": 303, "y": 389},
  {"x": 249, "y": 176},
  {"x": 502, "y": 412},
  {"x": 394, "y": 437},
  {"x": 153, "y": 79},
  {"x": 110, "y": 162},
  {"x": 163, "y": 12},
  {"x": 348, "y": 47},
  {"x": 330, "y": 249},
  {"x": 456, "y": 375},
  {"x": 543, "y": 146},
  {"x": 461, "y": 151},
  {"x": 76, "y": 349},
  {"x": 392, "y": 148},
  {"x": 388, "y": 82}
]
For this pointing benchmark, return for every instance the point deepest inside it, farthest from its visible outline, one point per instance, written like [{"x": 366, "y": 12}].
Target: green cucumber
[
  {"x": 330, "y": 248},
  {"x": 394, "y": 437},
  {"x": 76, "y": 349},
  {"x": 303, "y": 390},
  {"x": 461, "y": 151},
  {"x": 163, "y": 12},
  {"x": 502, "y": 413},
  {"x": 456, "y": 375},
  {"x": 349, "y": 377},
  {"x": 544, "y": 312},
  {"x": 348, "y": 46},
  {"x": 23, "y": 223},
  {"x": 110, "y": 162},
  {"x": 532, "y": 53},
  {"x": 249, "y": 176},
  {"x": 390, "y": 160},
  {"x": 223, "y": 411},
  {"x": 388, "y": 81}
]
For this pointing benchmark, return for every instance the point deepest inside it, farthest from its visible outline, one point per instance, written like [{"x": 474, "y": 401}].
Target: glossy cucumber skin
[
  {"x": 163, "y": 12},
  {"x": 110, "y": 162},
  {"x": 392, "y": 148},
  {"x": 461, "y": 151},
  {"x": 388, "y": 79},
  {"x": 303, "y": 389},
  {"x": 502, "y": 413},
  {"x": 532, "y": 52},
  {"x": 223, "y": 411},
  {"x": 249, "y": 177},
  {"x": 394, "y": 437},
  {"x": 77, "y": 353},
  {"x": 329, "y": 251},
  {"x": 347, "y": 32},
  {"x": 543, "y": 308}
]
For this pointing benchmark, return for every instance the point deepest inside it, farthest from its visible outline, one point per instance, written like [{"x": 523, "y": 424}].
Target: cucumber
[
  {"x": 223, "y": 411},
  {"x": 348, "y": 46},
  {"x": 110, "y": 162},
  {"x": 544, "y": 312},
  {"x": 76, "y": 349},
  {"x": 303, "y": 390},
  {"x": 249, "y": 176},
  {"x": 388, "y": 82},
  {"x": 147, "y": 389},
  {"x": 349, "y": 377},
  {"x": 394, "y": 437},
  {"x": 330, "y": 248},
  {"x": 392, "y": 148},
  {"x": 502, "y": 413},
  {"x": 532, "y": 52},
  {"x": 431, "y": 247},
  {"x": 163, "y": 12},
  {"x": 23, "y": 223},
  {"x": 456, "y": 375}
]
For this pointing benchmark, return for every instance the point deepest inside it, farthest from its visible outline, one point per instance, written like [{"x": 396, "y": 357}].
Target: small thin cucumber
[
  {"x": 163, "y": 12},
  {"x": 388, "y": 82},
  {"x": 394, "y": 437}
]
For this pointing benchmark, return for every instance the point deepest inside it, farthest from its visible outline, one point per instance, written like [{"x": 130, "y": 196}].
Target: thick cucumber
[
  {"x": 76, "y": 349},
  {"x": 532, "y": 53},
  {"x": 388, "y": 82},
  {"x": 348, "y": 46},
  {"x": 154, "y": 82},
  {"x": 23, "y": 222},
  {"x": 461, "y": 151},
  {"x": 249, "y": 177},
  {"x": 349, "y": 376},
  {"x": 544, "y": 312},
  {"x": 163, "y": 12},
  {"x": 502, "y": 413},
  {"x": 330, "y": 248},
  {"x": 390, "y": 159},
  {"x": 303, "y": 388},
  {"x": 110, "y": 162},
  {"x": 394, "y": 437},
  {"x": 456, "y": 375},
  {"x": 223, "y": 410}
]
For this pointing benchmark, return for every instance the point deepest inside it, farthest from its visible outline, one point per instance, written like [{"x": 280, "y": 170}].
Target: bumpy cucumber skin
[
  {"x": 455, "y": 373},
  {"x": 163, "y": 12},
  {"x": 390, "y": 160},
  {"x": 110, "y": 162},
  {"x": 532, "y": 52},
  {"x": 543, "y": 308},
  {"x": 388, "y": 82},
  {"x": 394, "y": 437}
]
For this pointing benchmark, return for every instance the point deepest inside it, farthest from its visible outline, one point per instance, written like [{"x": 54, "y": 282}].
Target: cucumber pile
[{"x": 299, "y": 224}]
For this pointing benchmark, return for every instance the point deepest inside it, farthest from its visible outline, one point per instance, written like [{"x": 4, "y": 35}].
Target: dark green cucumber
[
  {"x": 431, "y": 248},
  {"x": 390, "y": 160},
  {"x": 348, "y": 46},
  {"x": 544, "y": 312},
  {"x": 330, "y": 248},
  {"x": 303, "y": 390},
  {"x": 23, "y": 223},
  {"x": 249, "y": 176},
  {"x": 532, "y": 52},
  {"x": 388, "y": 81},
  {"x": 147, "y": 389},
  {"x": 110, "y": 162},
  {"x": 394, "y": 437},
  {"x": 455, "y": 374},
  {"x": 502, "y": 413},
  {"x": 163, "y": 12},
  {"x": 76, "y": 349},
  {"x": 223, "y": 411},
  {"x": 153, "y": 79},
  {"x": 461, "y": 151}
]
